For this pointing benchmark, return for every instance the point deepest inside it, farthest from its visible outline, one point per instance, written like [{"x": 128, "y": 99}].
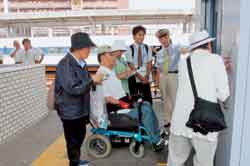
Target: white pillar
[
  {"x": 50, "y": 32},
  {"x": 6, "y": 6}
]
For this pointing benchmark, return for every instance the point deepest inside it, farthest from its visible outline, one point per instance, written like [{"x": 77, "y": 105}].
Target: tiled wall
[{"x": 23, "y": 97}]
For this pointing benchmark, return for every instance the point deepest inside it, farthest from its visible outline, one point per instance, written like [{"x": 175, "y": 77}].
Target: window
[{"x": 210, "y": 15}]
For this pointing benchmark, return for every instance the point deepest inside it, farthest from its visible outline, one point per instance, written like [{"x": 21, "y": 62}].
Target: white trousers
[
  {"x": 168, "y": 88},
  {"x": 180, "y": 148}
]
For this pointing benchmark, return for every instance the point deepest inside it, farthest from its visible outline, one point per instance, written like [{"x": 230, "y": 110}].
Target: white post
[
  {"x": 6, "y": 6},
  {"x": 50, "y": 30}
]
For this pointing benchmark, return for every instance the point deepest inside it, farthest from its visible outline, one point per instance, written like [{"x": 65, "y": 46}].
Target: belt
[{"x": 173, "y": 72}]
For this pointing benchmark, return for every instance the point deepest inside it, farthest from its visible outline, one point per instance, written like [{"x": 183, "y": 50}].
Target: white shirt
[
  {"x": 28, "y": 57},
  {"x": 146, "y": 58},
  {"x": 18, "y": 51},
  {"x": 112, "y": 86},
  {"x": 212, "y": 84}
]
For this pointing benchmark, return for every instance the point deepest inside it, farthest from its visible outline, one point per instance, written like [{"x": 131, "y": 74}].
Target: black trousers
[
  {"x": 74, "y": 132},
  {"x": 145, "y": 90}
]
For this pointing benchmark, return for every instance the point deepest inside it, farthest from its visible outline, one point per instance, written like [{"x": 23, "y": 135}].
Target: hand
[
  {"x": 129, "y": 72},
  {"x": 184, "y": 50},
  {"x": 228, "y": 63},
  {"x": 145, "y": 79},
  {"x": 123, "y": 104},
  {"x": 98, "y": 78},
  {"x": 154, "y": 49}
]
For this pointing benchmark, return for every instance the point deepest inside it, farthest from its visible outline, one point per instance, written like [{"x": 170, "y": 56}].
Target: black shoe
[
  {"x": 165, "y": 132},
  {"x": 159, "y": 146},
  {"x": 167, "y": 125}
]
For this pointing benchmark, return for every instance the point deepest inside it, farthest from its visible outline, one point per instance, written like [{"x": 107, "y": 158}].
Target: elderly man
[
  {"x": 114, "y": 93},
  {"x": 17, "y": 49},
  {"x": 168, "y": 56},
  {"x": 72, "y": 95},
  {"x": 29, "y": 55}
]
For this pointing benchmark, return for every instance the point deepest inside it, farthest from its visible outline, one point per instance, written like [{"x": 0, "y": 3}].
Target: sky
[{"x": 161, "y": 4}]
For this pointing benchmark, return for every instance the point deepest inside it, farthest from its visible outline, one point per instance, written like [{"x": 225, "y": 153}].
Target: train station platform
[
  {"x": 43, "y": 145},
  {"x": 31, "y": 135}
]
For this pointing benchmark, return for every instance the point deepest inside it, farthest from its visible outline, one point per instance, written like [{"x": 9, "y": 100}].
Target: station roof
[{"x": 86, "y": 17}]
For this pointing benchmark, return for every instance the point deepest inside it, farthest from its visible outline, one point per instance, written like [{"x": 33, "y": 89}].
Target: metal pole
[{"x": 6, "y": 6}]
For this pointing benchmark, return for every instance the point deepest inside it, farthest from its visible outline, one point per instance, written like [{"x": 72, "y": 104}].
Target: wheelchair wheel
[
  {"x": 137, "y": 150},
  {"x": 98, "y": 146}
]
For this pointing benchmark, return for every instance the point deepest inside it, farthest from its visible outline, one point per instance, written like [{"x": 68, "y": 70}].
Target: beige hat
[
  {"x": 162, "y": 32},
  {"x": 103, "y": 49}
]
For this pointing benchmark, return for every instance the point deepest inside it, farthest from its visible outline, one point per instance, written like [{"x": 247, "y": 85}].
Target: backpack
[{"x": 133, "y": 50}]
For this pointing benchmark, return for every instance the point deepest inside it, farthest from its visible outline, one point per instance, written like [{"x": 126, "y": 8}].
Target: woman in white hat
[
  {"x": 121, "y": 68},
  {"x": 212, "y": 84}
]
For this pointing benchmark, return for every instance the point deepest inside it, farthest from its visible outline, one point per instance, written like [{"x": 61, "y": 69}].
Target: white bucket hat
[
  {"x": 199, "y": 38},
  {"x": 119, "y": 45}
]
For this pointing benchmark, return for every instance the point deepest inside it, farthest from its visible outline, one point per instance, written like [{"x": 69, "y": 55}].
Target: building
[
  {"x": 60, "y": 5},
  {"x": 35, "y": 6}
]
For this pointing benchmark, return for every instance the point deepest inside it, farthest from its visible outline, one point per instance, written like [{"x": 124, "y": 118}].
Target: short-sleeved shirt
[
  {"x": 174, "y": 55},
  {"x": 146, "y": 58},
  {"x": 28, "y": 57},
  {"x": 120, "y": 67},
  {"x": 112, "y": 86},
  {"x": 18, "y": 51}
]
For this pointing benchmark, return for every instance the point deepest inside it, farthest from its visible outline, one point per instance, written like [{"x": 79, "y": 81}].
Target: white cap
[{"x": 119, "y": 45}]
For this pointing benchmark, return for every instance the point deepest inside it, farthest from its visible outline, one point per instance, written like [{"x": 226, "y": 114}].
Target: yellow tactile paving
[{"x": 54, "y": 155}]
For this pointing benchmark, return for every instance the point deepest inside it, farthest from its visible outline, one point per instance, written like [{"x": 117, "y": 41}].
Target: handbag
[{"x": 206, "y": 116}]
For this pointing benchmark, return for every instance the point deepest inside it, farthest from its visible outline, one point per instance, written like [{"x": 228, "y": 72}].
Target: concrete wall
[
  {"x": 240, "y": 151},
  {"x": 228, "y": 37},
  {"x": 23, "y": 97}
]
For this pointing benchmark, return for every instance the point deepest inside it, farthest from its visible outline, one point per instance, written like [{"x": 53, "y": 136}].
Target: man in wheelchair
[{"x": 116, "y": 98}]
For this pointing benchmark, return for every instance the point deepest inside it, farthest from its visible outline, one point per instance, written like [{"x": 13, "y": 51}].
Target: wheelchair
[{"x": 99, "y": 144}]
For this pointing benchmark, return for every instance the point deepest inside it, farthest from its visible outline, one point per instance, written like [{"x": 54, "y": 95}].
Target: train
[{"x": 55, "y": 48}]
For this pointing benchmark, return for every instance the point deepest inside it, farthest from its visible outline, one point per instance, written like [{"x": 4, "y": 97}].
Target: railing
[{"x": 51, "y": 72}]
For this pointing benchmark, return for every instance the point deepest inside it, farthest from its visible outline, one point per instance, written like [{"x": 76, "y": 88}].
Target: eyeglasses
[{"x": 111, "y": 54}]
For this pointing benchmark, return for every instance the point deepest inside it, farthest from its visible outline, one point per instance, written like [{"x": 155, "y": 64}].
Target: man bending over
[{"x": 114, "y": 93}]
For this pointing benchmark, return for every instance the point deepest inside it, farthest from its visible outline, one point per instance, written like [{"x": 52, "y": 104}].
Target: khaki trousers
[
  {"x": 168, "y": 88},
  {"x": 180, "y": 148}
]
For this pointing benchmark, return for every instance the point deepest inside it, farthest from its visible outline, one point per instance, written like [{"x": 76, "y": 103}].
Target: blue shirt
[
  {"x": 174, "y": 55},
  {"x": 82, "y": 63},
  {"x": 146, "y": 56}
]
